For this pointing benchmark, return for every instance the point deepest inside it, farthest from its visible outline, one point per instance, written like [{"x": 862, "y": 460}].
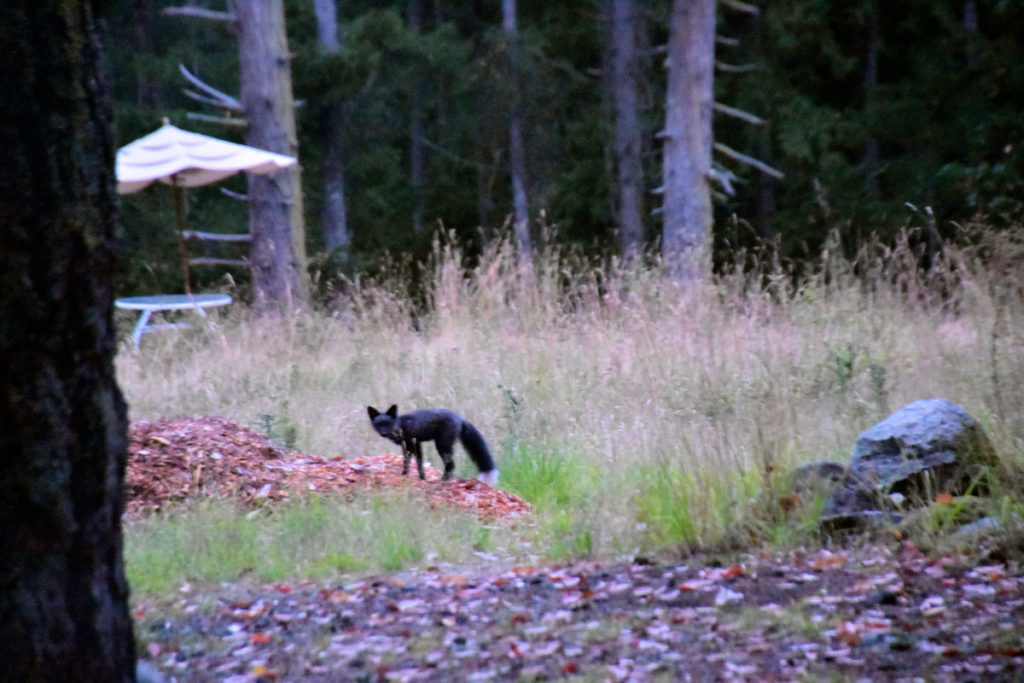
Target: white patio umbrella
[{"x": 183, "y": 159}]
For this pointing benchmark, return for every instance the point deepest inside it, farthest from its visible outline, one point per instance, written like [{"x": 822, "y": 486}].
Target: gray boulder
[{"x": 925, "y": 448}]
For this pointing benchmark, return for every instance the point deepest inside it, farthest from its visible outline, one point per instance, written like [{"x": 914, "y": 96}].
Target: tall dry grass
[{"x": 664, "y": 415}]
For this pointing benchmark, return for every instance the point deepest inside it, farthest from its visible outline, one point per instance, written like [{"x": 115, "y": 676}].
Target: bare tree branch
[
  {"x": 723, "y": 180},
  {"x": 224, "y": 100},
  {"x": 234, "y": 195},
  {"x": 211, "y": 261},
  {"x": 192, "y": 95},
  {"x": 728, "y": 42},
  {"x": 222, "y": 120},
  {"x": 194, "y": 12},
  {"x": 749, "y": 160},
  {"x": 735, "y": 68},
  {"x": 216, "y": 236},
  {"x": 739, "y": 114},
  {"x": 453, "y": 156},
  {"x": 739, "y": 6}
]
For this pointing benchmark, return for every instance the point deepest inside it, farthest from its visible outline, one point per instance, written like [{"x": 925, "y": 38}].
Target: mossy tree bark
[{"x": 63, "y": 595}]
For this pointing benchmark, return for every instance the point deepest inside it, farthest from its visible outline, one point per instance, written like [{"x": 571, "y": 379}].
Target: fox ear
[
  {"x": 393, "y": 411},
  {"x": 373, "y": 412}
]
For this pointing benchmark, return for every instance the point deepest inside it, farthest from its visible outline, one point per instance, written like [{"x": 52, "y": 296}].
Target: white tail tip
[{"x": 490, "y": 477}]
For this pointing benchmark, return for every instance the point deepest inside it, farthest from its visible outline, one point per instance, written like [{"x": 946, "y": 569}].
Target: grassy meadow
[{"x": 636, "y": 417}]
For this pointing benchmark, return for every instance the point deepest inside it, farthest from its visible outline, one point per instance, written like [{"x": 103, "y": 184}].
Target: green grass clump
[{"x": 548, "y": 479}]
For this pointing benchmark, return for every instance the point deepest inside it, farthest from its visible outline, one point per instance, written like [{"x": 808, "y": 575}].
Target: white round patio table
[{"x": 149, "y": 305}]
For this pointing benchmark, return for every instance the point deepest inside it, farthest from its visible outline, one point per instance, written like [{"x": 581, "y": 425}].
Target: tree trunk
[
  {"x": 628, "y": 139},
  {"x": 146, "y": 92},
  {"x": 487, "y": 155},
  {"x": 871, "y": 152},
  {"x": 417, "y": 152},
  {"x": 63, "y": 596},
  {"x": 516, "y": 148},
  {"x": 970, "y": 16},
  {"x": 337, "y": 237},
  {"x": 278, "y": 255},
  {"x": 686, "y": 233}
]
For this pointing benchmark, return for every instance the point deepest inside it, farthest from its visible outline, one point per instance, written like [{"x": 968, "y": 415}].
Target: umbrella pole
[{"x": 179, "y": 220}]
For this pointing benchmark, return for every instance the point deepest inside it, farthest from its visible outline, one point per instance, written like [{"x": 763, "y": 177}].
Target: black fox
[{"x": 440, "y": 426}]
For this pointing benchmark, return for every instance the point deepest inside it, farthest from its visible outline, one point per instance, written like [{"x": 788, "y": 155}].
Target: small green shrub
[
  {"x": 547, "y": 478},
  {"x": 667, "y": 506}
]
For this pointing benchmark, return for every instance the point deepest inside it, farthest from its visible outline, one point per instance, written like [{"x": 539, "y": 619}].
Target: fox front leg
[
  {"x": 419, "y": 459},
  {"x": 407, "y": 446}
]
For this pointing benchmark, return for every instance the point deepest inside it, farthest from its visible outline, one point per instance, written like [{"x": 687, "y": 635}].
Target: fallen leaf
[{"x": 734, "y": 570}]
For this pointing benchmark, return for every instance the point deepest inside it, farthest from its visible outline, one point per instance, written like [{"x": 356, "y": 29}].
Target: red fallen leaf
[
  {"x": 259, "y": 639},
  {"x": 586, "y": 593},
  {"x": 280, "y": 588},
  {"x": 518, "y": 618},
  {"x": 570, "y": 668},
  {"x": 735, "y": 570},
  {"x": 139, "y": 613},
  {"x": 500, "y": 582},
  {"x": 848, "y": 633},
  {"x": 944, "y": 498},
  {"x": 831, "y": 560},
  {"x": 523, "y": 571}
]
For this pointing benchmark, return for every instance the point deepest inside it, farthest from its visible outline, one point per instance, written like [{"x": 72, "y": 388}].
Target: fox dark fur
[{"x": 440, "y": 426}]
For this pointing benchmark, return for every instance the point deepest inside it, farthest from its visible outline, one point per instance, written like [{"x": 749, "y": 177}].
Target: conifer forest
[{"x": 556, "y": 123}]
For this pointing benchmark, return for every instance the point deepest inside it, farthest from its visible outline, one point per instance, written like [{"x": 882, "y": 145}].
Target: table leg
[{"x": 140, "y": 327}]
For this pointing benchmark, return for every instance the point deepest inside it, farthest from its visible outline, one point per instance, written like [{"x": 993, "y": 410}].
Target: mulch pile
[{"x": 180, "y": 459}]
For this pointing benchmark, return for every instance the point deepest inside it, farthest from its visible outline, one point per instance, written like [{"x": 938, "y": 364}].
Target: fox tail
[{"x": 475, "y": 445}]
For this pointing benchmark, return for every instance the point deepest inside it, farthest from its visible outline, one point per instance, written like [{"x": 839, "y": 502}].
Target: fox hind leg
[
  {"x": 445, "y": 449},
  {"x": 449, "y": 464}
]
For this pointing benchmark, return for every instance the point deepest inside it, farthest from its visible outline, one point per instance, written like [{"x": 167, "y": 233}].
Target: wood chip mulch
[{"x": 176, "y": 460}]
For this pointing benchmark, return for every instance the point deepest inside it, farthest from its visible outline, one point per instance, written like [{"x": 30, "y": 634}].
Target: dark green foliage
[{"x": 935, "y": 123}]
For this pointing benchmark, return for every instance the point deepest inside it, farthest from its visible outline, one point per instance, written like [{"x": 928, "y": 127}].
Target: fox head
[{"x": 386, "y": 424}]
